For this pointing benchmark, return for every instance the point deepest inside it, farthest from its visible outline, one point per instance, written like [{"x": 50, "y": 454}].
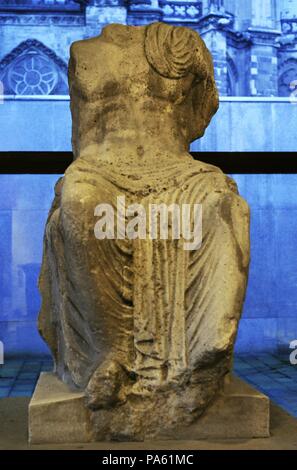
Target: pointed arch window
[
  {"x": 287, "y": 81},
  {"x": 33, "y": 69}
]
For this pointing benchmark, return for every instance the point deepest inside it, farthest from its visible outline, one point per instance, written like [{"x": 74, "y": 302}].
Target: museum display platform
[
  {"x": 239, "y": 411},
  {"x": 14, "y": 435}
]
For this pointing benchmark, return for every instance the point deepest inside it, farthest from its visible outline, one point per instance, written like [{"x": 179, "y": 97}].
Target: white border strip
[
  {"x": 228, "y": 99},
  {"x": 256, "y": 99},
  {"x": 34, "y": 98}
]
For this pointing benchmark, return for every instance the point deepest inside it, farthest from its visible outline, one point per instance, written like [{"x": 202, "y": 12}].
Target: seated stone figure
[{"x": 144, "y": 327}]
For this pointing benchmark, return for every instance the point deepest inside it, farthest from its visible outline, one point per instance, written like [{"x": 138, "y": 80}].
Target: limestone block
[
  {"x": 239, "y": 412},
  {"x": 57, "y": 414}
]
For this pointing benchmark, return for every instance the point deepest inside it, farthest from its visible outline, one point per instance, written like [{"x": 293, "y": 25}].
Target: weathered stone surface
[
  {"x": 66, "y": 421},
  {"x": 57, "y": 414},
  {"x": 144, "y": 328}
]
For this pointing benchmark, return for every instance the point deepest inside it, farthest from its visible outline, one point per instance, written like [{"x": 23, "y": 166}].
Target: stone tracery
[{"x": 272, "y": 31}]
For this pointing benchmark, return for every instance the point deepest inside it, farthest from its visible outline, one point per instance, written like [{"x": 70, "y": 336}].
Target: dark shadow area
[{"x": 229, "y": 162}]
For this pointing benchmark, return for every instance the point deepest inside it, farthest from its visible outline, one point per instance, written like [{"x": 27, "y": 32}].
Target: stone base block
[{"x": 59, "y": 415}]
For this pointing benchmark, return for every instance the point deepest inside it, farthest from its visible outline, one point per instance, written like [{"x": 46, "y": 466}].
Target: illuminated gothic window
[
  {"x": 32, "y": 74},
  {"x": 232, "y": 78},
  {"x": 33, "y": 69}
]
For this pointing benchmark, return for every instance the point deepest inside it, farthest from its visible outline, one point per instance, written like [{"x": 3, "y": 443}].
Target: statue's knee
[
  {"x": 234, "y": 209},
  {"x": 77, "y": 215}
]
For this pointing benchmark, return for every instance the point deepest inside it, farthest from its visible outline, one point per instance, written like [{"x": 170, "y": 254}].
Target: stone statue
[{"x": 144, "y": 328}]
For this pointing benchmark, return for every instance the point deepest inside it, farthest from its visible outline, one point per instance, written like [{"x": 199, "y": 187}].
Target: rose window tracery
[{"x": 33, "y": 74}]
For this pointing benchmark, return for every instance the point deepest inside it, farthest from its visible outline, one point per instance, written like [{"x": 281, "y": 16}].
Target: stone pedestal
[{"x": 58, "y": 415}]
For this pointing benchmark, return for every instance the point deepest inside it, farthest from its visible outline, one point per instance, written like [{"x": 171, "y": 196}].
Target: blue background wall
[
  {"x": 241, "y": 124},
  {"x": 254, "y": 46},
  {"x": 269, "y": 321}
]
